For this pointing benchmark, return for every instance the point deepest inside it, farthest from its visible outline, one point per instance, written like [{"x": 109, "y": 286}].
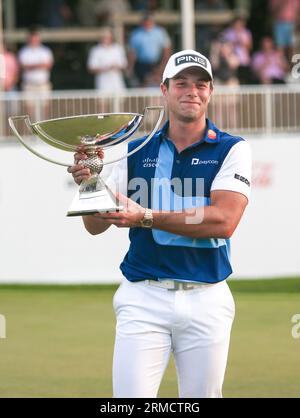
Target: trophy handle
[
  {"x": 26, "y": 119},
  {"x": 147, "y": 139}
]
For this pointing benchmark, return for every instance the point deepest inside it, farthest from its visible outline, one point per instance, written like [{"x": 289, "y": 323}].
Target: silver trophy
[{"x": 89, "y": 133}]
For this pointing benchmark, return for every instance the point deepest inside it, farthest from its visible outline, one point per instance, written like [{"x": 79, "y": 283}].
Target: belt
[{"x": 170, "y": 284}]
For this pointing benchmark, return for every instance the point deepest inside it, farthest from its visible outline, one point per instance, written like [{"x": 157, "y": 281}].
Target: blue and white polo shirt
[{"x": 160, "y": 178}]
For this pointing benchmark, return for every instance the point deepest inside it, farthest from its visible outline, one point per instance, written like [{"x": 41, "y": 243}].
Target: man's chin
[{"x": 190, "y": 117}]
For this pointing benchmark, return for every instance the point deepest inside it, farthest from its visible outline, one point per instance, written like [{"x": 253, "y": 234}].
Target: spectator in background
[
  {"x": 270, "y": 64},
  {"x": 107, "y": 61},
  {"x": 285, "y": 15},
  {"x": 149, "y": 50},
  {"x": 241, "y": 39},
  {"x": 9, "y": 80},
  {"x": 225, "y": 62},
  {"x": 36, "y": 61},
  {"x": 11, "y": 70}
]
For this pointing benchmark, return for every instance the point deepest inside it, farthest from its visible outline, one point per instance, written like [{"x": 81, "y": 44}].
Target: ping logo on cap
[{"x": 184, "y": 59}]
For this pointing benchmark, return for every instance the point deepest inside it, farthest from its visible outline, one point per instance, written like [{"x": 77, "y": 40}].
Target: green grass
[{"x": 60, "y": 341}]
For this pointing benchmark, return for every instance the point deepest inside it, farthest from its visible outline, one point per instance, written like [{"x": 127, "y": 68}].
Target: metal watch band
[{"x": 147, "y": 220}]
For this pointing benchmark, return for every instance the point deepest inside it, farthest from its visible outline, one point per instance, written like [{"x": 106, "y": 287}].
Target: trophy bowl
[{"x": 89, "y": 133}]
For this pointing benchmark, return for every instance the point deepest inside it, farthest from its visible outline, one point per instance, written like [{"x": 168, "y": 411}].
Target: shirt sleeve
[
  {"x": 166, "y": 41},
  {"x": 133, "y": 40},
  {"x": 92, "y": 63},
  {"x": 122, "y": 59},
  {"x": 48, "y": 56},
  {"x": 235, "y": 172}
]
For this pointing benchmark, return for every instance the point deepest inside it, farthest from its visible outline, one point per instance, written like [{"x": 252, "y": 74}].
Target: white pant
[{"x": 152, "y": 322}]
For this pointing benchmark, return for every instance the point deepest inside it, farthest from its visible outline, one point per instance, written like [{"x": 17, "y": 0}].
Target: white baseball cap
[{"x": 186, "y": 59}]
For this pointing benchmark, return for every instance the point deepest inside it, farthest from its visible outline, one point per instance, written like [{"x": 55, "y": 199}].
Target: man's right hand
[{"x": 78, "y": 171}]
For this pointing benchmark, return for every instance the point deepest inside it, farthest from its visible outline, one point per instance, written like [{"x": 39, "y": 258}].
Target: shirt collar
[{"x": 211, "y": 134}]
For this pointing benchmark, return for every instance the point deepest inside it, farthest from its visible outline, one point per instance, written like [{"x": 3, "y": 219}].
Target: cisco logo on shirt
[
  {"x": 197, "y": 161},
  {"x": 150, "y": 162}
]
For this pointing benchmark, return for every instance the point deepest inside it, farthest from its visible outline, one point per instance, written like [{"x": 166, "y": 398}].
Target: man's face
[
  {"x": 35, "y": 39},
  {"x": 267, "y": 44},
  {"x": 188, "y": 95},
  {"x": 148, "y": 24}
]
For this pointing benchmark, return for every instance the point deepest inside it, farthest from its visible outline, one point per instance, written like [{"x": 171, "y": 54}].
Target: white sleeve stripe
[{"x": 235, "y": 172}]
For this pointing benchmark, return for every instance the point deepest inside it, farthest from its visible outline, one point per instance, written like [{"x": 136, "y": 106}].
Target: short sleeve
[
  {"x": 235, "y": 172},
  {"x": 165, "y": 38},
  {"x": 48, "y": 55},
  {"x": 93, "y": 59},
  {"x": 133, "y": 40},
  {"x": 121, "y": 56}
]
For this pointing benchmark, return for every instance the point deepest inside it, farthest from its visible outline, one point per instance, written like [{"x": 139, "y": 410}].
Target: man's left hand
[{"x": 129, "y": 218}]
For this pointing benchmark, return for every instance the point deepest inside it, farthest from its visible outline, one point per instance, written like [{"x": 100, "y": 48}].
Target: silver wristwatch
[{"x": 147, "y": 221}]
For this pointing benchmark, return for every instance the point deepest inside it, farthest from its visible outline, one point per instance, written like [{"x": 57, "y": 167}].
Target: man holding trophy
[
  {"x": 174, "y": 296},
  {"x": 181, "y": 191}
]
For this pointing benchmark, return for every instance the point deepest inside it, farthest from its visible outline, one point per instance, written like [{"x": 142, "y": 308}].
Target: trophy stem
[
  {"x": 92, "y": 185},
  {"x": 95, "y": 164}
]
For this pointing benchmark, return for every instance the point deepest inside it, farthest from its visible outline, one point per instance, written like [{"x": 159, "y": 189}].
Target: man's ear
[{"x": 163, "y": 88}]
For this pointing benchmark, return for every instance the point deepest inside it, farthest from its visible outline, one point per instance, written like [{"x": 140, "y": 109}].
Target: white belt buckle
[
  {"x": 184, "y": 285},
  {"x": 168, "y": 284},
  {"x": 171, "y": 284},
  {"x": 176, "y": 285}
]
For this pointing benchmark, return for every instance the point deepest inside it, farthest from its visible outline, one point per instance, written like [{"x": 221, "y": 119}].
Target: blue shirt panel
[
  {"x": 157, "y": 254},
  {"x": 169, "y": 192}
]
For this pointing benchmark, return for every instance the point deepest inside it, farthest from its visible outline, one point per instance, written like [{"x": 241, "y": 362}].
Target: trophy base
[{"x": 102, "y": 201}]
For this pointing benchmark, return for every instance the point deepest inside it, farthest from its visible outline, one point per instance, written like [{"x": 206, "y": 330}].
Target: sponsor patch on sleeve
[{"x": 243, "y": 179}]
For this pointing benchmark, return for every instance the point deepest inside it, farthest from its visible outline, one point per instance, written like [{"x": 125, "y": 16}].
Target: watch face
[{"x": 147, "y": 223}]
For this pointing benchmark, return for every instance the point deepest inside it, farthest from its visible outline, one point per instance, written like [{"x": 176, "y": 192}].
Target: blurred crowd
[{"x": 140, "y": 61}]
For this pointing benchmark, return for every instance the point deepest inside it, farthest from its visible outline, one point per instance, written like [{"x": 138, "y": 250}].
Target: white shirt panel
[{"x": 235, "y": 173}]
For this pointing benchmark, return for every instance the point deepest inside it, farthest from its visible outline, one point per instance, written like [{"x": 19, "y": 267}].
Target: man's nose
[{"x": 193, "y": 91}]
